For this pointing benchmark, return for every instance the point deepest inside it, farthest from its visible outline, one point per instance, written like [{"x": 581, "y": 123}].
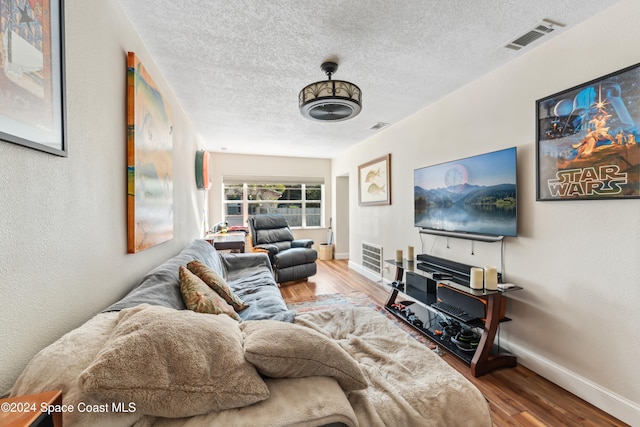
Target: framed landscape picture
[
  {"x": 587, "y": 140},
  {"x": 374, "y": 182},
  {"x": 32, "y": 110}
]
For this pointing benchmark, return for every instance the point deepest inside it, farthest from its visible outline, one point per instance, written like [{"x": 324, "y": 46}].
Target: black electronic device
[
  {"x": 420, "y": 287},
  {"x": 398, "y": 285},
  {"x": 468, "y": 182},
  {"x": 453, "y": 310},
  {"x": 459, "y": 272},
  {"x": 406, "y": 312},
  {"x": 466, "y": 340},
  {"x": 442, "y": 276},
  {"x": 474, "y": 307}
]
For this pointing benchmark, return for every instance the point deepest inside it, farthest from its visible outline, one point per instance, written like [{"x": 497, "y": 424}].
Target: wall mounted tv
[{"x": 472, "y": 196}]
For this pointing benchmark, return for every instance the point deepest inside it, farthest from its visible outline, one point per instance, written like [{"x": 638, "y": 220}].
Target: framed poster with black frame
[
  {"x": 32, "y": 112},
  {"x": 587, "y": 140}
]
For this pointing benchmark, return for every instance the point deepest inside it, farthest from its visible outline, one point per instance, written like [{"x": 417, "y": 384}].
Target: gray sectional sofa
[{"x": 249, "y": 275}]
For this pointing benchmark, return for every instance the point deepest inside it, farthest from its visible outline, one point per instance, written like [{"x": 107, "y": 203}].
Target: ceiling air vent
[
  {"x": 542, "y": 29},
  {"x": 379, "y": 126}
]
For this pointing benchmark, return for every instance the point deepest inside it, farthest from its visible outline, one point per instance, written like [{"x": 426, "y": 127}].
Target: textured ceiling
[{"x": 236, "y": 67}]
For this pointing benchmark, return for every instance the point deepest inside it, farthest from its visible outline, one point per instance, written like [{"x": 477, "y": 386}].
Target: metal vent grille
[
  {"x": 530, "y": 37},
  {"x": 542, "y": 29},
  {"x": 379, "y": 126},
  {"x": 372, "y": 257}
]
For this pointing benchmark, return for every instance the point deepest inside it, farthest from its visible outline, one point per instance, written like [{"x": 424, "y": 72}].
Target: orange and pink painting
[{"x": 149, "y": 161}]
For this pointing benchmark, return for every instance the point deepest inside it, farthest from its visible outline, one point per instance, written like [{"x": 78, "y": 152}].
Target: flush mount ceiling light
[{"x": 330, "y": 100}]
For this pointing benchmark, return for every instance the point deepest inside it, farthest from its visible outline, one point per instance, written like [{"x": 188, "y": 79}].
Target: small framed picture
[
  {"x": 32, "y": 112},
  {"x": 374, "y": 182}
]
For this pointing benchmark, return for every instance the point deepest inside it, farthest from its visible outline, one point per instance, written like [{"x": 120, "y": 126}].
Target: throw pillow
[
  {"x": 199, "y": 297},
  {"x": 217, "y": 283},
  {"x": 286, "y": 350},
  {"x": 173, "y": 363}
]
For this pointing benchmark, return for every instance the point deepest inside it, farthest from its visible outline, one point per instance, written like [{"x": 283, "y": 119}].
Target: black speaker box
[
  {"x": 469, "y": 303},
  {"x": 420, "y": 287}
]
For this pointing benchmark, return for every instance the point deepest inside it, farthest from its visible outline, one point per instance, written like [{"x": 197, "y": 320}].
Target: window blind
[{"x": 253, "y": 179}]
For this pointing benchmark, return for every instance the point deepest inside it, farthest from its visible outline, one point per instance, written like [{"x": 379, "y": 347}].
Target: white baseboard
[
  {"x": 600, "y": 397},
  {"x": 341, "y": 255},
  {"x": 366, "y": 273}
]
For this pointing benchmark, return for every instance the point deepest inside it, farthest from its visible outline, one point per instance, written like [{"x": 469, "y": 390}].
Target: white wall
[
  {"x": 63, "y": 229},
  {"x": 576, "y": 321},
  {"x": 227, "y": 164},
  {"x": 341, "y": 215}
]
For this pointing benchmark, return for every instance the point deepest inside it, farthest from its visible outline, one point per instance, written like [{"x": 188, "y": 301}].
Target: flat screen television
[{"x": 474, "y": 195}]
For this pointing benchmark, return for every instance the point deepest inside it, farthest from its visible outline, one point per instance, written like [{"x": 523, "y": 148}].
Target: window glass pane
[
  {"x": 314, "y": 214},
  {"x": 259, "y": 208},
  {"x": 265, "y": 191},
  {"x": 233, "y": 192},
  {"x": 233, "y": 214},
  {"x": 291, "y": 211},
  {"x": 313, "y": 192},
  {"x": 281, "y": 199},
  {"x": 292, "y": 192}
]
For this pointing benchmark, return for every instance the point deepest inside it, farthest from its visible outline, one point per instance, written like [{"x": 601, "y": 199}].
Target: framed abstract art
[
  {"x": 149, "y": 161},
  {"x": 32, "y": 111}
]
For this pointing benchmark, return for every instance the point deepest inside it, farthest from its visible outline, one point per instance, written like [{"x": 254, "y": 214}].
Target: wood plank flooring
[{"x": 517, "y": 396}]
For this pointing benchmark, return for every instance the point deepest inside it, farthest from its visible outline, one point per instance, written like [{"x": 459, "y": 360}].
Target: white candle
[
  {"x": 409, "y": 253},
  {"x": 476, "y": 277},
  {"x": 398, "y": 255},
  {"x": 491, "y": 278}
]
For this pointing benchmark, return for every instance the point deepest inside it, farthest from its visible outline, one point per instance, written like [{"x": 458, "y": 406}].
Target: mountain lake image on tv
[{"x": 473, "y": 195}]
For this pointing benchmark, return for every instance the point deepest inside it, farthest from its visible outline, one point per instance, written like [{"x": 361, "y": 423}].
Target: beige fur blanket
[
  {"x": 292, "y": 402},
  {"x": 408, "y": 384}
]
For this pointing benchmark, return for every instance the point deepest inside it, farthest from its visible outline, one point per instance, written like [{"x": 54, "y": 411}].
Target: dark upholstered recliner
[{"x": 291, "y": 259}]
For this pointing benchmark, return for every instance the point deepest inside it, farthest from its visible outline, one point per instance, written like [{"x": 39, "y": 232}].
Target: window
[{"x": 301, "y": 204}]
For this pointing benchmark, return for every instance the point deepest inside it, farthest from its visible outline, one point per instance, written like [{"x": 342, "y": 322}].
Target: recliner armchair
[{"x": 291, "y": 259}]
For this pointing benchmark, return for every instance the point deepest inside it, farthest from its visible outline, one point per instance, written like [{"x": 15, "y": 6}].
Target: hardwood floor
[{"x": 517, "y": 396}]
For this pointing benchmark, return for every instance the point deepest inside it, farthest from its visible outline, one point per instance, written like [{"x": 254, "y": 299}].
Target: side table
[
  {"x": 31, "y": 410},
  {"x": 234, "y": 242}
]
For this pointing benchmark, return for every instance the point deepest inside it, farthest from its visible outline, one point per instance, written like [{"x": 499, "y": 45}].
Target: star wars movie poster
[{"x": 588, "y": 140}]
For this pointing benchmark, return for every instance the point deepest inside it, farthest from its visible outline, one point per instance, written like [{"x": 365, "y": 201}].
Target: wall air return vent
[
  {"x": 542, "y": 29},
  {"x": 372, "y": 257}
]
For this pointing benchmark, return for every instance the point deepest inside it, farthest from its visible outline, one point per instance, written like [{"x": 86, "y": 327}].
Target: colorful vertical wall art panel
[{"x": 149, "y": 161}]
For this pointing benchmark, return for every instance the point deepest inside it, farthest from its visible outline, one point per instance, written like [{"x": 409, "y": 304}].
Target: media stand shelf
[{"x": 487, "y": 357}]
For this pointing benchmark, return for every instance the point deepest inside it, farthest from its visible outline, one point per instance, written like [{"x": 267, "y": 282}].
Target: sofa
[
  {"x": 149, "y": 360},
  {"x": 250, "y": 275}
]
